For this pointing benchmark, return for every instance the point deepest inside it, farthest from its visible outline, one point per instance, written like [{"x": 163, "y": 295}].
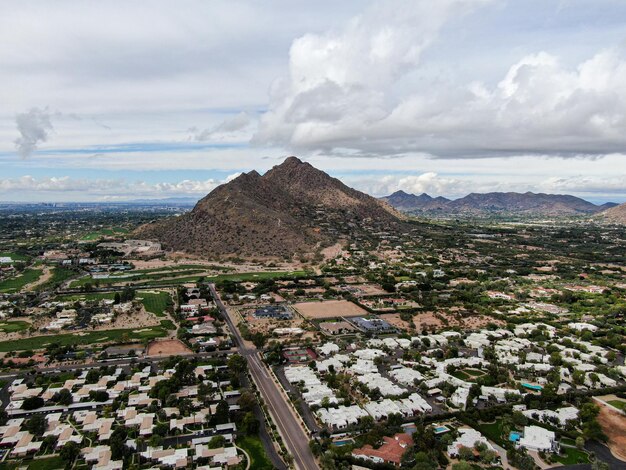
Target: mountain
[
  {"x": 410, "y": 202},
  {"x": 615, "y": 214},
  {"x": 293, "y": 208},
  {"x": 497, "y": 202}
]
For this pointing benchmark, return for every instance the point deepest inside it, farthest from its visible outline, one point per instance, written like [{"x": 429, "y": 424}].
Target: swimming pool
[
  {"x": 343, "y": 442},
  {"x": 532, "y": 387},
  {"x": 441, "y": 429},
  {"x": 514, "y": 436}
]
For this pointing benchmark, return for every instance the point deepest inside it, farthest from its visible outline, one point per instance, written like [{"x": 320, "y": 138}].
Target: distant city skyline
[{"x": 114, "y": 101}]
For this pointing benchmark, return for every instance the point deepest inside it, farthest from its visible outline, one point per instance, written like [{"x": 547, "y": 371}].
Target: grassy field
[
  {"x": 135, "y": 277},
  {"x": 13, "y": 256},
  {"x": 85, "y": 296},
  {"x": 474, "y": 372},
  {"x": 15, "y": 284},
  {"x": 469, "y": 375},
  {"x": 168, "y": 324},
  {"x": 492, "y": 431},
  {"x": 48, "y": 463},
  {"x": 254, "y": 447},
  {"x": 105, "y": 232},
  {"x": 620, "y": 405},
  {"x": 182, "y": 277},
  {"x": 572, "y": 456},
  {"x": 155, "y": 303},
  {"x": 106, "y": 336},
  {"x": 59, "y": 275},
  {"x": 13, "y": 326},
  {"x": 245, "y": 277}
]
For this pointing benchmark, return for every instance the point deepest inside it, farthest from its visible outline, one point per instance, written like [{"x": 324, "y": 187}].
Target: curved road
[{"x": 295, "y": 438}]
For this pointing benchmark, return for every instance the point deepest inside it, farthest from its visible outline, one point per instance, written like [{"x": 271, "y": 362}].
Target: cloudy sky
[{"x": 127, "y": 99}]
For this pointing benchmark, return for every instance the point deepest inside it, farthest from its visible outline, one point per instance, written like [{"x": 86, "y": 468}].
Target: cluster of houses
[
  {"x": 86, "y": 421},
  {"x": 412, "y": 387},
  {"x": 65, "y": 317}
]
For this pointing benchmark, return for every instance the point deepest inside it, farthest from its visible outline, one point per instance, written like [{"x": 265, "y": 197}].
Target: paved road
[
  {"x": 604, "y": 453},
  {"x": 296, "y": 440}
]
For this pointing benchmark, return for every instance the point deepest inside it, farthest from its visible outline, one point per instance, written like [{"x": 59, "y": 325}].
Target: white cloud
[
  {"x": 33, "y": 127},
  {"x": 341, "y": 83},
  {"x": 231, "y": 127},
  {"x": 104, "y": 188},
  {"x": 349, "y": 92}
]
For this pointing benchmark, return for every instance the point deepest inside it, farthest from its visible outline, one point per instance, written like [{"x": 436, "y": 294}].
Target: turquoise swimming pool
[
  {"x": 441, "y": 429},
  {"x": 514, "y": 436},
  {"x": 532, "y": 387},
  {"x": 343, "y": 442}
]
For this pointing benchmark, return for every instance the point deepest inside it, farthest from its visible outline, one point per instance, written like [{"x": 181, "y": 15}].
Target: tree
[
  {"x": 237, "y": 363},
  {"x": 580, "y": 442},
  {"x": 32, "y": 403},
  {"x": 36, "y": 425},
  {"x": 488, "y": 455},
  {"x": 216, "y": 442},
  {"x": 519, "y": 419},
  {"x": 599, "y": 465},
  {"x": 92, "y": 376},
  {"x": 221, "y": 412},
  {"x": 423, "y": 461},
  {"x": 98, "y": 395},
  {"x": 69, "y": 452},
  {"x": 117, "y": 442},
  {"x": 250, "y": 424},
  {"x": 63, "y": 397},
  {"x": 466, "y": 453},
  {"x": 247, "y": 400}
]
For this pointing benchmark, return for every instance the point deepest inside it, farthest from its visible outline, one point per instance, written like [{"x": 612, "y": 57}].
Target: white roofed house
[
  {"x": 500, "y": 394},
  {"x": 468, "y": 437},
  {"x": 342, "y": 416},
  {"x": 538, "y": 439},
  {"x": 559, "y": 417}
]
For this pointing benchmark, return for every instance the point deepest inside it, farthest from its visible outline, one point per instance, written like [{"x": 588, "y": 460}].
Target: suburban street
[{"x": 294, "y": 436}]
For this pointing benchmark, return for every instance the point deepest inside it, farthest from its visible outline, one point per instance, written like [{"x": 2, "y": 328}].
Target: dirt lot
[
  {"x": 614, "y": 426},
  {"x": 429, "y": 321},
  {"x": 329, "y": 309},
  {"x": 369, "y": 289},
  {"x": 167, "y": 347}
]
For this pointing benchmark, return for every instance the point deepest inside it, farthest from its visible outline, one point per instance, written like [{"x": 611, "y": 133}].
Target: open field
[
  {"x": 85, "y": 296},
  {"x": 619, "y": 404},
  {"x": 15, "y": 284},
  {"x": 572, "y": 456},
  {"x": 82, "y": 338},
  {"x": 492, "y": 431},
  {"x": 13, "y": 256},
  {"x": 58, "y": 276},
  {"x": 155, "y": 302},
  {"x": 48, "y": 463},
  {"x": 329, "y": 309},
  {"x": 260, "y": 276},
  {"x": 134, "y": 277},
  {"x": 167, "y": 347},
  {"x": 254, "y": 448},
  {"x": 13, "y": 326},
  {"x": 469, "y": 375},
  {"x": 614, "y": 426},
  {"x": 168, "y": 324},
  {"x": 105, "y": 232},
  {"x": 167, "y": 277},
  {"x": 368, "y": 289}
]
